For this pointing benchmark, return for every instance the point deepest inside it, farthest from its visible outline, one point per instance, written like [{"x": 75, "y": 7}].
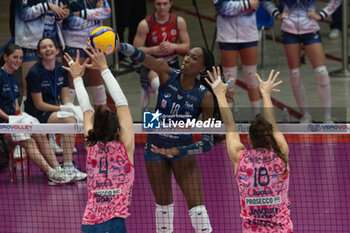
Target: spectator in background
[
  {"x": 300, "y": 28},
  {"x": 48, "y": 99},
  {"x": 34, "y": 20},
  {"x": 158, "y": 35},
  {"x": 238, "y": 36},
  {"x": 336, "y": 25},
  {"x": 36, "y": 145},
  {"x": 85, "y": 16}
]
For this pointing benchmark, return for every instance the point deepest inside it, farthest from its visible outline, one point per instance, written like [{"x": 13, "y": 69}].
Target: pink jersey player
[
  {"x": 262, "y": 173},
  {"x": 110, "y": 142},
  {"x": 110, "y": 179},
  {"x": 263, "y": 189}
]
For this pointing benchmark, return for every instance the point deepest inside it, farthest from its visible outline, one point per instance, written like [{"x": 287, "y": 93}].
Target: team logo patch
[
  {"x": 173, "y": 32},
  {"x": 164, "y": 102}
]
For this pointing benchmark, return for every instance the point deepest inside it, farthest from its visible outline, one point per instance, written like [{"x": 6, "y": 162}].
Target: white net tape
[{"x": 140, "y": 129}]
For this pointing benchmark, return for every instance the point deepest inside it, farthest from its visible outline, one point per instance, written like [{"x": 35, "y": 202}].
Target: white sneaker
[
  {"x": 306, "y": 119},
  {"x": 334, "y": 34},
  {"x": 77, "y": 174},
  {"x": 17, "y": 153},
  {"x": 57, "y": 176},
  {"x": 57, "y": 149}
]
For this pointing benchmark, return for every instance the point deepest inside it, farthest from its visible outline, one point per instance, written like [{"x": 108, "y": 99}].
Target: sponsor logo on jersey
[{"x": 261, "y": 201}]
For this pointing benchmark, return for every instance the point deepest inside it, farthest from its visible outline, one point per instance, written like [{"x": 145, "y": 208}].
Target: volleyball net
[{"x": 319, "y": 185}]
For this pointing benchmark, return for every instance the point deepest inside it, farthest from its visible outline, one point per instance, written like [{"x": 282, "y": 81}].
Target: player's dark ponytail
[
  {"x": 209, "y": 62},
  {"x": 105, "y": 127},
  {"x": 261, "y": 136}
]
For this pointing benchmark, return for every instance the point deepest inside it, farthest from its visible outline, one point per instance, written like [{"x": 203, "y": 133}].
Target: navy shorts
[
  {"x": 42, "y": 117},
  {"x": 155, "y": 157},
  {"x": 305, "y": 39},
  {"x": 73, "y": 52},
  {"x": 30, "y": 55},
  {"x": 237, "y": 46},
  {"x": 114, "y": 225}
]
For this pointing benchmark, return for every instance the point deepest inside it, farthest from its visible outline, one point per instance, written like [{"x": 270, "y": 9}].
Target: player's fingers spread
[
  {"x": 258, "y": 77},
  {"x": 88, "y": 52},
  {"x": 271, "y": 74},
  {"x": 214, "y": 72},
  {"x": 210, "y": 77},
  {"x": 275, "y": 76},
  {"x": 207, "y": 81},
  {"x": 218, "y": 70},
  {"x": 278, "y": 83},
  {"x": 78, "y": 55}
]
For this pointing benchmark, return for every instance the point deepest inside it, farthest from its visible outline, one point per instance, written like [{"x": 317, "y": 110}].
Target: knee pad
[
  {"x": 71, "y": 93},
  {"x": 200, "y": 219},
  {"x": 249, "y": 74},
  {"x": 230, "y": 73},
  {"x": 322, "y": 76},
  {"x": 164, "y": 218},
  {"x": 155, "y": 84},
  {"x": 295, "y": 77},
  {"x": 99, "y": 94}
]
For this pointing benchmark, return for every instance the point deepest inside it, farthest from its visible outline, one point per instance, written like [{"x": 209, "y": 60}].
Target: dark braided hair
[
  {"x": 209, "y": 62},
  {"x": 105, "y": 127},
  {"x": 261, "y": 136}
]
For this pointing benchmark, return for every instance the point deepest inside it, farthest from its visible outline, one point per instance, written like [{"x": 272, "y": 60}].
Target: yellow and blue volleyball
[{"x": 106, "y": 36}]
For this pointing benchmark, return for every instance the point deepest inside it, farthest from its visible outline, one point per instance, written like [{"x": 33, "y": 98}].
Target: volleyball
[{"x": 106, "y": 36}]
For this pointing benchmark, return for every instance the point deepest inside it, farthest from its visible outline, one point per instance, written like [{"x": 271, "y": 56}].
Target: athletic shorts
[
  {"x": 73, "y": 52},
  {"x": 155, "y": 157},
  {"x": 42, "y": 117},
  {"x": 237, "y": 46},
  {"x": 114, "y": 225},
  {"x": 305, "y": 39},
  {"x": 174, "y": 63},
  {"x": 30, "y": 55}
]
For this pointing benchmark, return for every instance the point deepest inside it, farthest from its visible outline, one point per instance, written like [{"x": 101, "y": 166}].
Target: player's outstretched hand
[
  {"x": 219, "y": 88},
  {"x": 74, "y": 68},
  {"x": 268, "y": 86},
  {"x": 97, "y": 58}
]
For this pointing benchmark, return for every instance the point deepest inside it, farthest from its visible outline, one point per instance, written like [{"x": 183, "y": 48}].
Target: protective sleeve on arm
[
  {"x": 198, "y": 147},
  {"x": 132, "y": 52},
  {"x": 114, "y": 89},
  {"x": 82, "y": 95}
]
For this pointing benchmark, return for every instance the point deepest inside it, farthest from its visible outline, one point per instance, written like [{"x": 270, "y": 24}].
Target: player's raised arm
[{"x": 160, "y": 66}]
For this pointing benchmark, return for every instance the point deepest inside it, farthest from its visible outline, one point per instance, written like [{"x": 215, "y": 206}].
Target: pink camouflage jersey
[
  {"x": 110, "y": 180},
  {"x": 265, "y": 205}
]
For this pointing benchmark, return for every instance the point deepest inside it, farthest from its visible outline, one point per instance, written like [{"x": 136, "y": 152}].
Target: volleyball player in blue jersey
[{"x": 181, "y": 96}]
